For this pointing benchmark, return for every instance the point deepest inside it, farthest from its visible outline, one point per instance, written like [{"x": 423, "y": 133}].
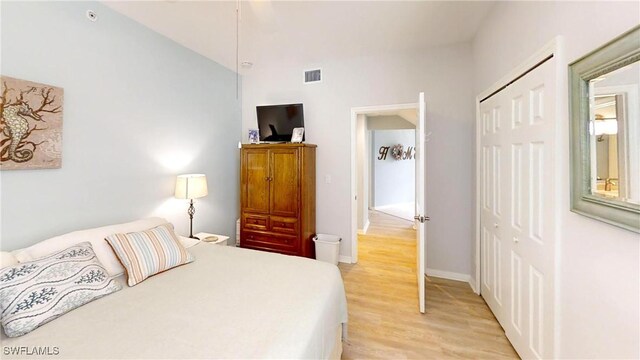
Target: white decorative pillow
[
  {"x": 95, "y": 236},
  {"x": 36, "y": 292},
  {"x": 7, "y": 259},
  {"x": 149, "y": 252}
]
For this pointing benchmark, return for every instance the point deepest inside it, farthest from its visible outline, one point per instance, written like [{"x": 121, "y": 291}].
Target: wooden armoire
[{"x": 278, "y": 198}]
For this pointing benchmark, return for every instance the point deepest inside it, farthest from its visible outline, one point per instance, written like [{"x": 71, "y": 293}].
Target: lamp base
[{"x": 194, "y": 237}]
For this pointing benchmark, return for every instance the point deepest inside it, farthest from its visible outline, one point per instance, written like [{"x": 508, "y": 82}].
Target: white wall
[
  {"x": 394, "y": 179},
  {"x": 138, "y": 110},
  {"x": 443, "y": 73},
  {"x": 599, "y": 274},
  {"x": 382, "y": 122}
]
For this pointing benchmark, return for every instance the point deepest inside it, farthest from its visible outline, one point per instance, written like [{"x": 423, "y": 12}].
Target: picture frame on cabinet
[
  {"x": 297, "y": 135},
  {"x": 254, "y": 137}
]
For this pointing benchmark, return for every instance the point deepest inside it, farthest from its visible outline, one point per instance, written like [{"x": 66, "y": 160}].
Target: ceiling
[{"x": 308, "y": 30}]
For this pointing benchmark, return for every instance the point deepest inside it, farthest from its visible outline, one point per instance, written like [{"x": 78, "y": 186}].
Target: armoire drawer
[
  {"x": 284, "y": 225},
  {"x": 257, "y": 239},
  {"x": 255, "y": 222}
]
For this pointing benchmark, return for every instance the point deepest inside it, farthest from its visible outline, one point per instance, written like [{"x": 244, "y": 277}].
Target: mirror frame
[{"x": 620, "y": 52}]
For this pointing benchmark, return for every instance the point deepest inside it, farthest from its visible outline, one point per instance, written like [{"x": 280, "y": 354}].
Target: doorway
[
  {"x": 386, "y": 141},
  {"x": 385, "y": 181},
  {"x": 379, "y": 181}
]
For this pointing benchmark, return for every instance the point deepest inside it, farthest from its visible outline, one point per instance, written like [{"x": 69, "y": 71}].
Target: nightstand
[{"x": 222, "y": 240}]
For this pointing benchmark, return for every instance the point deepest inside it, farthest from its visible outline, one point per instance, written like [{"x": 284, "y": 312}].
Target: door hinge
[{"x": 421, "y": 218}]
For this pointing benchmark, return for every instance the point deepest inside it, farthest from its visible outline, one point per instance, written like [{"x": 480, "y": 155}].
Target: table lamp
[{"x": 191, "y": 186}]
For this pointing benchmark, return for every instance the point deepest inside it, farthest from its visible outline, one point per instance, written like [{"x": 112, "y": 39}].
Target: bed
[{"x": 229, "y": 303}]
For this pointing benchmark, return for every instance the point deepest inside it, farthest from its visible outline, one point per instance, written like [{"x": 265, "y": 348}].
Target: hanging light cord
[{"x": 237, "y": 49}]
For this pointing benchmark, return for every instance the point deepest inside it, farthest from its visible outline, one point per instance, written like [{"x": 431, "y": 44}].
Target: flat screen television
[{"x": 276, "y": 122}]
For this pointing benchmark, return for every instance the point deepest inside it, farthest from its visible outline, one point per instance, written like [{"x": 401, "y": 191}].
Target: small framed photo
[
  {"x": 253, "y": 136},
  {"x": 297, "y": 135}
]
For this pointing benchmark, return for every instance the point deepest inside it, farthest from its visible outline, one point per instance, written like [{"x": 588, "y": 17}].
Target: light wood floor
[{"x": 384, "y": 321}]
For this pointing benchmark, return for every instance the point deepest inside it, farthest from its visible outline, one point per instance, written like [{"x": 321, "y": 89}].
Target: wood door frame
[
  {"x": 355, "y": 111},
  {"x": 554, "y": 48}
]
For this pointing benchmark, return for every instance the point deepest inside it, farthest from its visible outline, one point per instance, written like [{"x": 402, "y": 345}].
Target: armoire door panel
[
  {"x": 255, "y": 181},
  {"x": 284, "y": 182}
]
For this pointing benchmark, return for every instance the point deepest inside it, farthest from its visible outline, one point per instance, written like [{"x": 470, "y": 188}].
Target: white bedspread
[{"x": 230, "y": 303}]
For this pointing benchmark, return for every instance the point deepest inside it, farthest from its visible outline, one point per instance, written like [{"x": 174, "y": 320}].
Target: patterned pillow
[
  {"x": 146, "y": 253},
  {"x": 36, "y": 292}
]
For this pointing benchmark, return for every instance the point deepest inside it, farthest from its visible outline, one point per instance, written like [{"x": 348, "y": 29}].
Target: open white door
[{"x": 420, "y": 217}]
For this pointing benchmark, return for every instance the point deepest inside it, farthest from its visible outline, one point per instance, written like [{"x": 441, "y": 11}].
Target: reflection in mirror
[
  {"x": 605, "y": 132},
  {"x": 614, "y": 132}
]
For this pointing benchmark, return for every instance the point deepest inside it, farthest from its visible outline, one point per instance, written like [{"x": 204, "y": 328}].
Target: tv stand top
[{"x": 281, "y": 145}]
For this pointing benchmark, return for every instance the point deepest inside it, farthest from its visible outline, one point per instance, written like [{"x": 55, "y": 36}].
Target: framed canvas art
[{"x": 31, "y": 125}]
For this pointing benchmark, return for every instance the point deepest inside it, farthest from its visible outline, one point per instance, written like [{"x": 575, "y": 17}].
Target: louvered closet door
[{"x": 518, "y": 210}]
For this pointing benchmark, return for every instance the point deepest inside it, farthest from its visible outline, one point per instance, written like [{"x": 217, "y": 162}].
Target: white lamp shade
[{"x": 191, "y": 186}]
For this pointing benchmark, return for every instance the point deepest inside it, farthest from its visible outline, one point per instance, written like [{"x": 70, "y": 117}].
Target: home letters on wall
[
  {"x": 397, "y": 152},
  {"x": 31, "y": 125}
]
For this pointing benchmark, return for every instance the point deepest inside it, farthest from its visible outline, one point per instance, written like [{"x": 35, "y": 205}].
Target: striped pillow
[
  {"x": 35, "y": 292},
  {"x": 146, "y": 253}
]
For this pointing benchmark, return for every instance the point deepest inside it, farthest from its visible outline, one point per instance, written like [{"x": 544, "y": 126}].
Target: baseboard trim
[
  {"x": 448, "y": 275},
  {"x": 345, "y": 259},
  {"x": 472, "y": 283},
  {"x": 364, "y": 230}
]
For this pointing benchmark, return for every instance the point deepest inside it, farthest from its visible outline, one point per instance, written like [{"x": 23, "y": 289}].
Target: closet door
[
  {"x": 492, "y": 230},
  {"x": 518, "y": 213}
]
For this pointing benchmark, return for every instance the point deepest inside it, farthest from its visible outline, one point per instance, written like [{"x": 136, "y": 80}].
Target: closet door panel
[{"x": 495, "y": 264}]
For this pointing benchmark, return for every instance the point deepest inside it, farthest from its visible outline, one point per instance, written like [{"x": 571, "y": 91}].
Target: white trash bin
[{"x": 327, "y": 248}]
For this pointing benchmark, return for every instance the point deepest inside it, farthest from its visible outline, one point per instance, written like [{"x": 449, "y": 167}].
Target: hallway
[{"x": 384, "y": 321}]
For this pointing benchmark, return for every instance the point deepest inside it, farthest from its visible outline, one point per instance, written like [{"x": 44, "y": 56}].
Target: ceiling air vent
[{"x": 313, "y": 76}]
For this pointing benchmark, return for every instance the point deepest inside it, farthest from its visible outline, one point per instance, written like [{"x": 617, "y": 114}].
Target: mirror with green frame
[{"x": 605, "y": 136}]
